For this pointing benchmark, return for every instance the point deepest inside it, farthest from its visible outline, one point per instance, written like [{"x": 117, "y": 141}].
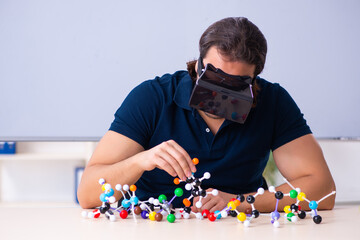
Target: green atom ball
[
  {"x": 162, "y": 198},
  {"x": 289, "y": 215},
  {"x": 179, "y": 192},
  {"x": 171, "y": 218},
  {"x": 293, "y": 193}
]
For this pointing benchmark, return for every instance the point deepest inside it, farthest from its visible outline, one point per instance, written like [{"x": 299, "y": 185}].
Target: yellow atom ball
[
  {"x": 152, "y": 216},
  {"x": 287, "y": 209},
  {"x": 241, "y": 217},
  {"x": 103, "y": 187},
  {"x": 231, "y": 205},
  {"x": 301, "y": 196}
]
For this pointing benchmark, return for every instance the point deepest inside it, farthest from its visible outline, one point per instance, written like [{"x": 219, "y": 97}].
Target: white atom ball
[
  {"x": 198, "y": 204},
  {"x": 214, "y": 192},
  {"x": 207, "y": 175}
]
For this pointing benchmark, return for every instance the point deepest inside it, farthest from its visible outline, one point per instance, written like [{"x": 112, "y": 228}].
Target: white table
[{"x": 64, "y": 221}]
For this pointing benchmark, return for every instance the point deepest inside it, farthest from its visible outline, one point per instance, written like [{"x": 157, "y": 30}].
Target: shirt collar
[{"x": 183, "y": 92}]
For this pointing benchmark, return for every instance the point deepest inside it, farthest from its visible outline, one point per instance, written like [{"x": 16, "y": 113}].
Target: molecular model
[
  {"x": 193, "y": 184},
  {"x": 107, "y": 197},
  {"x": 313, "y": 205},
  {"x": 155, "y": 209}
]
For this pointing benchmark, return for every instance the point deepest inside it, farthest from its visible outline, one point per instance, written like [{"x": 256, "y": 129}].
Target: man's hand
[
  {"x": 213, "y": 203},
  {"x": 170, "y": 157}
]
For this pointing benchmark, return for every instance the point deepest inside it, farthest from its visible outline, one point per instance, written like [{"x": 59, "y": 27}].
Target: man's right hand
[{"x": 170, "y": 157}]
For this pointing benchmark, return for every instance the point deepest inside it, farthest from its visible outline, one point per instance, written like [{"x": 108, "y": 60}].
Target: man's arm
[
  {"x": 302, "y": 163},
  {"x": 120, "y": 160}
]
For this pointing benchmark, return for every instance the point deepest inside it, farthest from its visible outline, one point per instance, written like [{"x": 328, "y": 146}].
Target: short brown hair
[{"x": 236, "y": 38}]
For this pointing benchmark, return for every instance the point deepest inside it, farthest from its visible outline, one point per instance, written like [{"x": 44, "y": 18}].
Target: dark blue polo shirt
[{"x": 158, "y": 110}]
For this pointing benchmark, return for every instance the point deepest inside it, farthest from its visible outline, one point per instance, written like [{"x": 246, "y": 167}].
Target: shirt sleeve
[
  {"x": 137, "y": 116},
  {"x": 289, "y": 121}
]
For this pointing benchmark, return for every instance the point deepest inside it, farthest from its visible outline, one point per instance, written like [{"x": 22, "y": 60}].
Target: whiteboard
[{"x": 67, "y": 65}]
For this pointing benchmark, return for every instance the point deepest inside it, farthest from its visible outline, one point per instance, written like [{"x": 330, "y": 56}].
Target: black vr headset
[{"x": 221, "y": 94}]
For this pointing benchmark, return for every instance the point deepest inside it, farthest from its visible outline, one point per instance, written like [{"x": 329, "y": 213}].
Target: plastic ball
[
  {"x": 143, "y": 206},
  {"x": 123, "y": 214},
  {"x": 134, "y": 200},
  {"x": 294, "y": 207},
  {"x": 294, "y": 219},
  {"x": 233, "y": 213},
  {"x": 260, "y": 191},
  {"x": 152, "y": 216},
  {"x": 237, "y": 202},
  {"x": 279, "y": 195},
  {"x": 276, "y": 224},
  {"x": 133, "y": 188},
  {"x": 137, "y": 210},
  {"x": 162, "y": 198},
  {"x": 246, "y": 223},
  {"x": 109, "y": 192},
  {"x": 171, "y": 218},
  {"x": 112, "y": 199},
  {"x": 177, "y": 215},
  {"x": 90, "y": 215},
  {"x": 271, "y": 189},
  {"x": 241, "y": 217},
  {"x": 118, "y": 187},
  {"x": 287, "y": 209},
  {"x": 275, "y": 215},
  {"x": 158, "y": 217},
  {"x": 301, "y": 196},
  {"x": 289, "y": 216},
  {"x": 212, "y": 217},
  {"x": 293, "y": 193},
  {"x": 125, "y": 203},
  {"x": 176, "y": 181},
  {"x": 195, "y": 161},
  {"x": 205, "y": 213},
  {"x": 101, "y": 181},
  {"x": 313, "y": 205},
  {"x": 186, "y": 202},
  {"x": 144, "y": 214},
  {"x": 103, "y": 197},
  {"x": 107, "y": 186},
  {"x": 214, "y": 192},
  {"x": 186, "y": 215},
  {"x": 198, "y": 204},
  {"x": 84, "y": 214},
  {"x": 255, "y": 213},
  {"x": 302, "y": 214},
  {"x": 207, "y": 175},
  {"x": 151, "y": 200},
  {"x": 188, "y": 186},
  {"x": 126, "y": 188},
  {"x": 231, "y": 205},
  {"x": 178, "y": 192},
  {"x": 250, "y": 199},
  {"x": 224, "y": 214},
  {"x": 317, "y": 219},
  {"x": 217, "y": 214}
]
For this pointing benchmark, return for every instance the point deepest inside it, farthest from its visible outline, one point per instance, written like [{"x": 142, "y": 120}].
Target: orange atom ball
[
  {"x": 186, "y": 202},
  {"x": 133, "y": 188},
  {"x": 237, "y": 202},
  {"x": 176, "y": 181},
  {"x": 195, "y": 161}
]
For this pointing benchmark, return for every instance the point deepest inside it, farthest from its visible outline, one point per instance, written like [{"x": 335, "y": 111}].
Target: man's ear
[{"x": 196, "y": 68}]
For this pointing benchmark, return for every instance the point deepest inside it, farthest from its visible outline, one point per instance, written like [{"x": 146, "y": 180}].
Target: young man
[{"x": 156, "y": 132}]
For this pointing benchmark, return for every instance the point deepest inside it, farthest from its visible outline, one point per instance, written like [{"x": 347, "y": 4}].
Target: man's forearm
[
  {"x": 123, "y": 172},
  {"x": 313, "y": 187}
]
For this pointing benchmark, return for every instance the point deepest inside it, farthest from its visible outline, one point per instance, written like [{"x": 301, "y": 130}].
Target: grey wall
[{"x": 66, "y": 66}]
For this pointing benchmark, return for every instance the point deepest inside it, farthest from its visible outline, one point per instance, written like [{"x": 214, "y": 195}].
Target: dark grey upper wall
[{"x": 66, "y": 66}]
